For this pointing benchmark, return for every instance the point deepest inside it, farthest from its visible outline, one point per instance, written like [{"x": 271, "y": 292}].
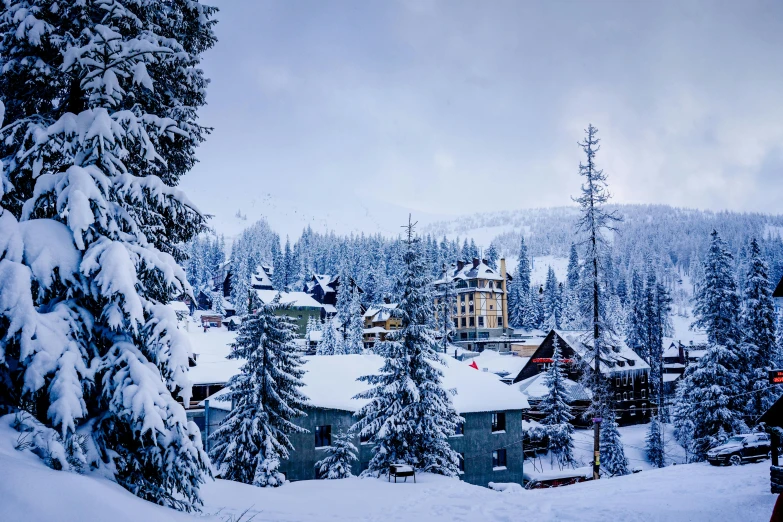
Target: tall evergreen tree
[
  {"x": 354, "y": 331},
  {"x": 253, "y": 438},
  {"x": 758, "y": 320},
  {"x": 572, "y": 277},
  {"x": 656, "y": 453},
  {"x": 593, "y": 224},
  {"x": 410, "y": 416},
  {"x": 330, "y": 343},
  {"x": 447, "y": 299},
  {"x": 98, "y": 124},
  {"x": 613, "y": 459},
  {"x": 520, "y": 303},
  {"x": 552, "y": 300},
  {"x": 717, "y": 301},
  {"x": 555, "y": 406},
  {"x": 492, "y": 256},
  {"x": 635, "y": 335}
]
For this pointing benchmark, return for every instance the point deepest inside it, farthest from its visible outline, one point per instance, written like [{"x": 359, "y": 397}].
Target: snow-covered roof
[
  {"x": 261, "y": 277},
  {"x": 535, "y": 388},
  {"x": 619, "y": 358},
  {"x": 288, "y": 298},
  {"x": 669, "y": 377},
  {"x": 380, "y": 313},
  {"x": 331, "y": 382},
  {"x": 480, "y": 271},
  {"x": 212, "y": 347},
  {"x": 499, "y": 364},
  {"x": 179, "y": 306},
  {"x": 375, "y": 330},
  {"x": 330, "y": 309},
  {"x": 321, "y": 280}
]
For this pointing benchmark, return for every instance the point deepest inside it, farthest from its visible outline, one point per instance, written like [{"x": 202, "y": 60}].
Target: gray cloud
[{"x": 349, "y": 114}]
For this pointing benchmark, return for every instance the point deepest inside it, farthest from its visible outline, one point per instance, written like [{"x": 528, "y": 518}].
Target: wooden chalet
[{"x": 626, "y": 372}]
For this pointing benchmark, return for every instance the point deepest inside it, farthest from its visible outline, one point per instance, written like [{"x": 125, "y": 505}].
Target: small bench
[{"x": 401, "y": 470}]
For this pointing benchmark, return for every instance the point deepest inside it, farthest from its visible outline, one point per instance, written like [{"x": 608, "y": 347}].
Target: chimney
[
  {"x": 460, "y": 265},
  {"x": 475, "y": 262}
]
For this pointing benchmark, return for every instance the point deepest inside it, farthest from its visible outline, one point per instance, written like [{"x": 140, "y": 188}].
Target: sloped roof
[
  {"x": 261, "y": 277},
  {"x": 288, "y": 298},
  {"x": 620, "y": 358},
  {"x": 380, "y": 313},
  {"x": 331, "y": 382},
  {"x": 468, "y": 271},
  {"x": 535, "y": 388}
]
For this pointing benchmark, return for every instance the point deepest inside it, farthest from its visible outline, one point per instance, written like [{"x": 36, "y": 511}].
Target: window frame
[
  {"x": 499, "y": 458},
  {"x": 320, "y": 436},
  {"x": 498, "y": 422}
]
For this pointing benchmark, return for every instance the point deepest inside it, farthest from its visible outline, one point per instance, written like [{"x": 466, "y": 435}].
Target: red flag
[{"x": 474, "y": 365}]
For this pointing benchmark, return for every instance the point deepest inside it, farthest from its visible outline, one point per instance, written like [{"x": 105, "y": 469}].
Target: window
[
  {"x": 626, "y": 379},
  {"x": 490, "y": 307},
  {"x": 323, "y": 436},
  {"x": 618, "y": 397},
  {"x": 633, "y": 411},
  {"x": 472, "y": 321},
  {"x": 462, "y": 308},
  {"x": 625, "y": 396},
  {"x": 460, "y": 429},
  {"x": 481, "y": 321},
  {"x": 464, "y": 322},
  {"x": 299, "y": 316},
  {"x": 630, "y": 395},
  {"x": 644, "y": 394},
  {"x": 644, "y": 378},
  {"x": 498, "y": 422},
  {"x": 645, "y": 411},
  {"x": 470, "y": 308},
  {"x": 500, "y": 322},
  {"x": 499, "y": 458},
  {"x": 618, "y": 381},
  {"x": 456, "y": 323},
  {"x": 461, "y": 463}
]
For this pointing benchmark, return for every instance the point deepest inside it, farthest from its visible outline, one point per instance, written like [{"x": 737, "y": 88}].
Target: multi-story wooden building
[
  {"x": 627, "y": 373},
  {"x": 480, "y": 309},
  {"x": 378, "y": 322}
]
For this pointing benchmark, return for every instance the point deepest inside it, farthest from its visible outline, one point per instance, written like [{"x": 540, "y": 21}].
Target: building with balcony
[{"x": 480, "y": 305}]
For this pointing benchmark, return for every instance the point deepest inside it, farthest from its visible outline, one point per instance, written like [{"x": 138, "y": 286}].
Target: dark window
[
  {"x": 500, "y": 322},
  {"x": 460, "y": 429},
  {"x": 619, "y": 397},
  {"x": 464, "y": 322},
  {"x": 470, "y": 309},
  {"x": 456, "y": 323},
  {"x": 199, "y": 420},
  {"x": 499, "y": 458},
  {"x": 630, "y": 395},
  {"x": 619, "y": 381},
  {"x": 461, "y": 462},
  {"x": 472, "y": 321},
  {"x": 498, "y": 422},
  {"x": 633, "y": 410},
  {"x": 481, "y": 321},
  {"x": 323, "y": 436}
]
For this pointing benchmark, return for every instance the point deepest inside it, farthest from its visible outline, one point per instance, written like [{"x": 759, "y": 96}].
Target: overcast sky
[{"x": 349, "y": 114}]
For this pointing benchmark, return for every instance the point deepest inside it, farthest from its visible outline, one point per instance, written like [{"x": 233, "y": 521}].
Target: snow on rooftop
[
  {"x": 620, "y": 356},
  {"x": 211, "y": 348},
  {"x": 179, "y": 306},
  {"x": 499, "y": 364},
  {"x": 535, "y": 388},
  {"x": 288, "y": 298},
  {"x": 331, "y": 381},
  {"x": 380, "y": 313}
]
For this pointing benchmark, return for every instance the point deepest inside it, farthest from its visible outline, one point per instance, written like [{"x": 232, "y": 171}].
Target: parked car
[{"x": 741, "y": 448}]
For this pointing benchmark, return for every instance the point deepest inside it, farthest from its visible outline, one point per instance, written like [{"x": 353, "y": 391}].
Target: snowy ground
[{"x": 31, "y": 492}]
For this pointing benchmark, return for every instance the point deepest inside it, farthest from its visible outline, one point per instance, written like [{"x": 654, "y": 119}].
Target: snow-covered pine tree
[
  {"x": 520, "y": 305},
  {"x": 594, "y": 222},
  {"x": 717, "y": 301},
  {"x": 655, "y": 450},
  {"x": 636, "y": 334},
  {"x": 492, "y": 256},
  {"x": 339, "y": 456},
  {"x": 253, "y": 438},
  {"x": 354, "y": 330},
  {"x": 217, "y": 302},
  {"x": 331, "y": 342},
  {"x": 98, "y": 102},
  {"x": 557, "y": 411},
  {"x": 410, "y": 415},
  {"x": 613, "y": 459},
  {"x": 572, "y": 276},
  {"x": 758, "y": 320},
  {"x": 447, "y": 298},
  {"x": 552, "y": 303}
]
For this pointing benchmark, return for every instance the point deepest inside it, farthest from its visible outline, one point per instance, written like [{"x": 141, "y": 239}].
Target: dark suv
[{"x": 741, "y": 448}]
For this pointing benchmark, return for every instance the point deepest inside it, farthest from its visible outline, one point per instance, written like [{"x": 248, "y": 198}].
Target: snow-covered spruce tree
[
  {"x": 656, "y": 454},
  {"x": 410, "y": 415},
  {"x": 594, "y": 222},
  {"x": 492, "y": 256},
  {"x": 98, "y": 123},
  {"x": 519, "y": 292},
  {"x": 447, "y": 298},
  {"x": 558, "y": 417},
  {"x": 635, "y": 334},
  {"x": 758, "y": 320},
  {"x": 718, "y": 301},
  {"x": 339, "y": 456},
  {"x": 552, "y": 300},
  {"x": 613, "y": 460},
  {"x": 572, "y": 275},
  {"x": 330, "y": 343},
  {"x": 354, "y": 330},
  {"x": 252, "y": 440}
]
